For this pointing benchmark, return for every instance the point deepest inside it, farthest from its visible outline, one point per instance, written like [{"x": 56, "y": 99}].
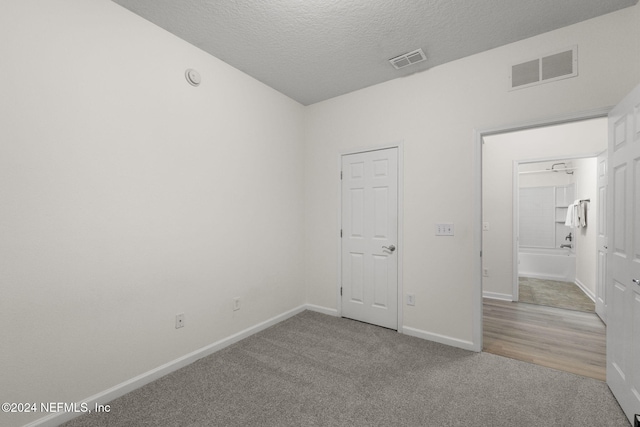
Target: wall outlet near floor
[
  {"x": 485, "y": 272},
  {"x": 411, "y": 299},
  {"x": 236, "y": 304},
  {"x": 179, "y": 320}
]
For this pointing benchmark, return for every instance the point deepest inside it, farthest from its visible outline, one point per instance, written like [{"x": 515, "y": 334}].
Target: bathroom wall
[
  {"x": 586, "y": 177},
  {"x": 543, "y": 197}
]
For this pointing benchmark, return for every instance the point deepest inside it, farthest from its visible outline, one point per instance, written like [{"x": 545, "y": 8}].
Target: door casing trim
[
  {"x": 400, "y": 245},
  {"x": 478, "y": 135}
]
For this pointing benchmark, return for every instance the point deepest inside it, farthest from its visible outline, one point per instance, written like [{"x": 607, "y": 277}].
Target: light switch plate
[{"x": 444, "y": 229}]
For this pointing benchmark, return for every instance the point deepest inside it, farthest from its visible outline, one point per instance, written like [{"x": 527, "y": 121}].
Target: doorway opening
[
  {"x": 532, "y": 216},
  {"x": 556, "y": 203}
]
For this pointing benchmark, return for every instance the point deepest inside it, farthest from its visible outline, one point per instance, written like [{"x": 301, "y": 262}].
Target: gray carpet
[
  {"x": 318, "y": 370},
  {"x": 553, "y": 293}
]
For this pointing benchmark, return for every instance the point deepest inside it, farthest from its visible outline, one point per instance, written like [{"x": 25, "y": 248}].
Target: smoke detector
[
  {"x": 193, "y": 77},
  {"x": 407, "y": 59}
]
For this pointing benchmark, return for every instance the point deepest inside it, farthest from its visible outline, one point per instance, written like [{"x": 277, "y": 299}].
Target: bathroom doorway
[
  {"x": 556, "y": 203},
  {"x": 570, "y": 149},
  {"x": 525, "y": 331}
]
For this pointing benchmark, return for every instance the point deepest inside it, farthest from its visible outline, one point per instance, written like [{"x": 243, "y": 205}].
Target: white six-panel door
[
  {"x": 601, "y": 238},
  {"x": 370, "y": 237},
  {"x": 623, "y": 273}
]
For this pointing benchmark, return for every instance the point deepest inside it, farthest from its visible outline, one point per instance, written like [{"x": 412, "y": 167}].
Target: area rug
[{"x": 554, "y": 293}]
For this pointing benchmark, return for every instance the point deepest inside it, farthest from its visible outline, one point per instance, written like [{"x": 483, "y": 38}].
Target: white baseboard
[
  {"x": 555, "y": 277},
  {"x": 587, "y": 291},
  {"x": 324, "y": 310},
  {"x": 442, "y": 339},
  {"x": 496, "y": 295},
  {"x": 128, "y": 386}
]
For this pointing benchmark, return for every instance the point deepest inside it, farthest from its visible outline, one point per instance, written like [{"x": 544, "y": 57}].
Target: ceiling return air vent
[
  {"x": 544, "y": 69},
  {"x": 407, "y": 59}
]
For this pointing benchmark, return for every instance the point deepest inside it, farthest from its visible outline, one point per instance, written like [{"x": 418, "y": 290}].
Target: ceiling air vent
[
  {"x": 408, "y": 59},
  {"x": 544, "y": 69}
]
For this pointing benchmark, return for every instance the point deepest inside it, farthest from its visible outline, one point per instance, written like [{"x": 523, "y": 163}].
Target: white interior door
[
  {"x": 369, "y": 237},
  {"x": 623, "y": 273},
  {"x": 601, "y": 238}
]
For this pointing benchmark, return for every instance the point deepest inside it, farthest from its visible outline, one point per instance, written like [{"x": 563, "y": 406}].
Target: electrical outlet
[
  {"x": 411, "y": 299},
  {"x": 444, "y": 229},
  {"x": 485, "y": 272},
  {"x": 179, "y": 320},
  {"x": 236, "y": 304}
]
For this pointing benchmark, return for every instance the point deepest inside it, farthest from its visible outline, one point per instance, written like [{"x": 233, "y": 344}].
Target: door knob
[
  {"x": 636, "y": 281},
  {"x": 390, "y": 248}
]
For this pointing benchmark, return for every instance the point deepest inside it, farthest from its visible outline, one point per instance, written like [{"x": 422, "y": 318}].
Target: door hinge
[
  {"x": 480, "y": 254},
  {"x": 340, "y": 232},
  {"x": 340, "y": 290},
  {"x": 340, "y": 174}
]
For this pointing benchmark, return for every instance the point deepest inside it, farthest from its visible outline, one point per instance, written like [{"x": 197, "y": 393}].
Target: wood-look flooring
[{"x": 572, "y": 341}]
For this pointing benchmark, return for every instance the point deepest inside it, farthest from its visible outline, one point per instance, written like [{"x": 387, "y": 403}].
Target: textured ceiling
[{"x": 312, "y": 50}]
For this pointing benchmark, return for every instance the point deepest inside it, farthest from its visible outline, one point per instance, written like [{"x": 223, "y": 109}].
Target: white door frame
[
  {"x": 602, "y": 239},
  {"x": 400, "y": 245},
  {"x": 478, "y": 135}
]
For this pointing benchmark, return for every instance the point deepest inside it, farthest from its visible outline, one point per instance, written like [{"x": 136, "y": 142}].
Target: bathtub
[{"x": 549, "y": 264}]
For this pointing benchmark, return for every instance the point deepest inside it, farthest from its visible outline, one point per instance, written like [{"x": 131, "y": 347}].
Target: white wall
[
  {"x": 582, "y": 138},
  {"x": 435, "y": 113},
  {"x": 129, "y": 196},
  {"x": 586, "y": 176}
]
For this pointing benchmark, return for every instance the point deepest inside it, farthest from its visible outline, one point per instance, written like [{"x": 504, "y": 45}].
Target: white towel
[
  {"x": 582, "y": 213},
  {"x": 576, "y": 213},
  {"x": 569, "y": 219},
  {"x": 572, "y": 220}
]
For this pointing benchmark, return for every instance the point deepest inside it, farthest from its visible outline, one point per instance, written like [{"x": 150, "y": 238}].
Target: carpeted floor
[
  {"x": 318, "y": 370},
  {"x": 553, "y": 293}
]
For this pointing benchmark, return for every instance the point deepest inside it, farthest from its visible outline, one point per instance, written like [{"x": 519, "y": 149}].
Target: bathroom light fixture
[{"x": 565, "y": 168}]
